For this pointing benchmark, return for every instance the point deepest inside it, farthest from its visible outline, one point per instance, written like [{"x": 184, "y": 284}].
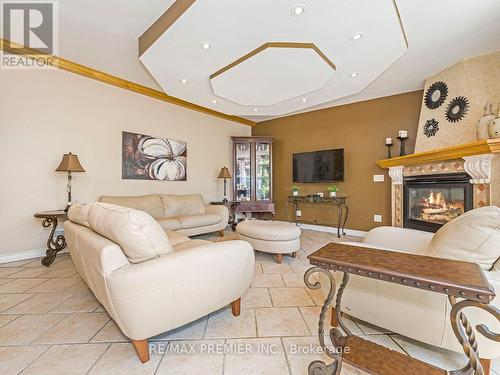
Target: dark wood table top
[
  {"x": 58, "y": 214},
  {"x": 451, "y": 277}
]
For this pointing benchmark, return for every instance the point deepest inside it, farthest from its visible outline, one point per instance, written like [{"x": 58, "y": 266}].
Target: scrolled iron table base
[
  {"x": 54, "y": 244},
  {"x": 461, "y": 327}
]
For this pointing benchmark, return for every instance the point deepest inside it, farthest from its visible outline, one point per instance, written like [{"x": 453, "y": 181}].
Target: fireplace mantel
[
  {"x": 480, "y": 160},
  {"x": 489, "y": 146}
]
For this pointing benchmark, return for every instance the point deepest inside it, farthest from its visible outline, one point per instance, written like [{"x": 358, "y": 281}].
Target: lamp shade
[
  {"x": 70, "y": 163},
  {"x": 224, "y": 173}
]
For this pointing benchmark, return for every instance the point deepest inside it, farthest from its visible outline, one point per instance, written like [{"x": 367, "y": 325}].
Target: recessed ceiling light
[
  {"x": 356, "y": 36},
  {"x": 353, "y": 75},
  {"x": 184, "y": 80},
  {"x": 214, "y": 101},
  {"x": 304, "y": 100},
  {"x": 256, "y": 109},
  {"x": 298, "y": 10},
  {"x": 205, "y": 45}
]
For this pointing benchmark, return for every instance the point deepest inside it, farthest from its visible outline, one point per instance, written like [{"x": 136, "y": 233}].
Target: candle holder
[
  {"x": 389, "y": 145},
  {"x": 402, "y": 151}
]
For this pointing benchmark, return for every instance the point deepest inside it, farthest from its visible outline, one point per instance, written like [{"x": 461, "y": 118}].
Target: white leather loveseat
[
  {"x": 419, "y": 314},
  {"x": 151, "y": 281},
  {"x": 186, "y": 214}
]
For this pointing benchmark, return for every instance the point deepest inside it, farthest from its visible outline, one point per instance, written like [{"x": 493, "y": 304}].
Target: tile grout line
[
  {"x": 287, "y": 359},
  {"x": 35, "y": 359},
  {"x": 98, "y": 359}
]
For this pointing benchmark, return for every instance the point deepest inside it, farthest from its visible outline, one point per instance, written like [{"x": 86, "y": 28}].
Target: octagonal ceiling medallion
[{"x": 273, "y": 73}]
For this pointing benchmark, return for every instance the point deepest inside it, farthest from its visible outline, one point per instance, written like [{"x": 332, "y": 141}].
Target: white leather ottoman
[{"x": 273, "y": 237}]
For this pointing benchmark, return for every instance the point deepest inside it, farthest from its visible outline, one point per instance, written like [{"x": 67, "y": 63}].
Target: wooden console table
[
  {"x": 454, "y": 278},
  {"x": 339, "y": 201},
  {"x": 50, "y": 218}
]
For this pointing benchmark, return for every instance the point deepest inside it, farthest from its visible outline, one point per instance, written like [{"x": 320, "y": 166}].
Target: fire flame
[{"x": 437, "y": 199}]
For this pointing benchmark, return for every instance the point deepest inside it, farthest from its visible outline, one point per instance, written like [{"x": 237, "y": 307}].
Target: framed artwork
[{"x": 151, "y": 158}]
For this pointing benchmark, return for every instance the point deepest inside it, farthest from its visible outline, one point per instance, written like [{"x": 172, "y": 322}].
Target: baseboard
[
  {"x": 28, "y": 254},
  {"x": 324, "y": 228}
]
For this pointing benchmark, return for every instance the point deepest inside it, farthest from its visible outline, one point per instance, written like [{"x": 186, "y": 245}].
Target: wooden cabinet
[{"x": 253, "y": 174}]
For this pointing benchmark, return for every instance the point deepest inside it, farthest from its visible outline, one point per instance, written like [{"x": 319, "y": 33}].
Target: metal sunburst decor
[
  {"x": 436, "y": 95},
  {"x": 457, "y": 109},
  {"x": 431, "y": 127}
]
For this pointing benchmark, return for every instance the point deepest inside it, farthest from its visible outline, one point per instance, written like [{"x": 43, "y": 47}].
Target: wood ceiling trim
[
  {"x": 274, "y": 45},
  {"x": 85, "y": 71},
  {"x": 163, "y": 23}
]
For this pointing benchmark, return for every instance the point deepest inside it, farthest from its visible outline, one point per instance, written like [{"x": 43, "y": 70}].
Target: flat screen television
[{"x": 319, "y": 166}]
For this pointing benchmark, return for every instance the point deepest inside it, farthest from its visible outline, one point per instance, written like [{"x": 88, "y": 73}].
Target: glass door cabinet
[{"x": 253, "y": 176}]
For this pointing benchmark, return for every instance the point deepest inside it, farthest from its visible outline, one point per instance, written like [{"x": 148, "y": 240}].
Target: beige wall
[
  {"x": 44, "y": 114},
  {"x": 359, "y": 128},
  {"x": 477, "y": 79}
]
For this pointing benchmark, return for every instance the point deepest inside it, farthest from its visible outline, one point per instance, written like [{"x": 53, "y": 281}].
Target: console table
[
  {"x": 50, "y": 218},
  {"x": 339, "y": 201},
  {"x": 454, "y": 278}
]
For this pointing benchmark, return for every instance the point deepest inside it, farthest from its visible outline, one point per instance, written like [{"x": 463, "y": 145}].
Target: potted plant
[
  {"x": 295, "y": 190},
  {"x": 332, "y": 190}
]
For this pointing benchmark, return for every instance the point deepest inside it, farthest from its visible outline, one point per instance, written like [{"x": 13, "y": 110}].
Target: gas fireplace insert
[{"x": 431, "y": 201}]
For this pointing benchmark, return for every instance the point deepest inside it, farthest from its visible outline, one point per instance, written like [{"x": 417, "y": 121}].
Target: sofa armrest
[
  {"x": 218, "y": 209},
  {"x": 400, "y": 239},
  {"x": 164, "y": 293}
]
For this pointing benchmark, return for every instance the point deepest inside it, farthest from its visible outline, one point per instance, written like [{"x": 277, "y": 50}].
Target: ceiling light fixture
[
  {"x": 298, "y": 10},
  {"x": 304, "y": 100},
  {"x": 184, "y": 80},
  {"x": 256, "y": 110},
  {"x": 214, "y": 101},
  {"x": 353, "y": 75},
  {"x": 357, "y": 36},
  {"x": 206, "y": 46}
]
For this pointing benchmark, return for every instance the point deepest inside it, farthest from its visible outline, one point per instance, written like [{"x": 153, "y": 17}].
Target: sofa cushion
[
  {"x": 147, "y": 203},
  {"x": 472, "y": 237},
  {"x": 195, "y": 221},
  {"x": 170, "y": 224},
  {"x": 138, "y": 234},
  {"x": 176, "y": 238},
  {"x": 182, "y": 205},
  {"x": 79, "y": 213}
]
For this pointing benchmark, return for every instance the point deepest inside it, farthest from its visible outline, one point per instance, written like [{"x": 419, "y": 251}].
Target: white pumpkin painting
[{"x": 152, "y": 158}]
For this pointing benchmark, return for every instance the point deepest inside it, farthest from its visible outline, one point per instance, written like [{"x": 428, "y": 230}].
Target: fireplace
[{"x": 431, "y": 201}]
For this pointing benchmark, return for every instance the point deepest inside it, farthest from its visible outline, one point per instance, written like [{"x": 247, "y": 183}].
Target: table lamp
[
  {"x": 69, "y": 163},
  {"x": 224, "y": 173}
]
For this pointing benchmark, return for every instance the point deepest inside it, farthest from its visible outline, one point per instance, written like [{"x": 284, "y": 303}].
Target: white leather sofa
[
  {"x": 149, "y": 280},
  {"x": 416, "y": 313},
  {"x": 187, "y": 214}
]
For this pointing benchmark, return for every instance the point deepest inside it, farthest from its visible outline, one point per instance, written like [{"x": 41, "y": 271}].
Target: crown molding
[{"x": 85, "y": 71}]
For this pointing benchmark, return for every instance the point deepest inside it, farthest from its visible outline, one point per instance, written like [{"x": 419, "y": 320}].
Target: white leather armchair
[{"x": 415, "y": 313}]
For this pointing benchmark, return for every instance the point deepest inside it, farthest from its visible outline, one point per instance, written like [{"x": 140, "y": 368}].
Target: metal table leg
[
  {"x": 465, "y": 333},
  {"x": 336, "y": 336},
  {"x": 53, "y": 245}
]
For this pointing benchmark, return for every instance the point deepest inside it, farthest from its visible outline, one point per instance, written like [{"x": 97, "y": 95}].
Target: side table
[
  {"x": 54, "y": 245},
  {"x": 231, "y": 205},
  {"x": 464, "y": 283}
]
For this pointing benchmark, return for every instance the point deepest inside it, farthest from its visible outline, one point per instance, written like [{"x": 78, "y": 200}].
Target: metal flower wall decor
[
  {"x": 151, "y": 158},
  {"x": 436, "y": 95},
  {"x": 431, "y": 127},
  {"x": 457, "y": 109}
]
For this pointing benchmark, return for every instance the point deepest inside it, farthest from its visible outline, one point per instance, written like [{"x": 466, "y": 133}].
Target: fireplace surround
[{"x": 430, "y": 201}]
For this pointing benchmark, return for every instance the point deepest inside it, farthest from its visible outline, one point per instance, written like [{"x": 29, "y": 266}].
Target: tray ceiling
[{"x": 195, "y": 39}]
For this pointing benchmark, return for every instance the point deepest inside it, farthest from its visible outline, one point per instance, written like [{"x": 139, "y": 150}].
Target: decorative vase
[
  {"x": 483, "y": 126},
  {"x": 295, "y": 193},
  {"x": 333, "y": 194},
  {"x": 494, "y": 127}
]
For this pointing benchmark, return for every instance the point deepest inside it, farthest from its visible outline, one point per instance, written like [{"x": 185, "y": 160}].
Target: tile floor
[{"x": 50, "y": 323}]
